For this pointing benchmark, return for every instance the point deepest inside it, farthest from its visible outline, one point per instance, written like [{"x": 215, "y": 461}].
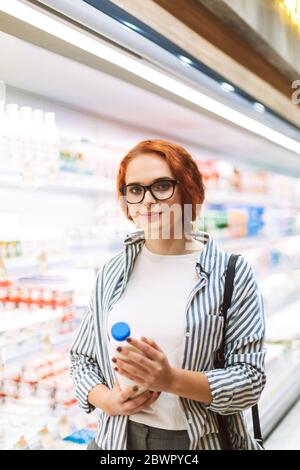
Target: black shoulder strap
[{"x": 228, "y": 290}]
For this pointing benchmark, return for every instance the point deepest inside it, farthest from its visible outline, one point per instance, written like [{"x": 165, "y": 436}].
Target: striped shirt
[{"x": 234, "y": 388}]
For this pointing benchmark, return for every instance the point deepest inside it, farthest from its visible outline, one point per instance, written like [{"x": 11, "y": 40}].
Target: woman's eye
[
  {"x": 162, "y": 186},
  {"x": 135, "y": 189}
]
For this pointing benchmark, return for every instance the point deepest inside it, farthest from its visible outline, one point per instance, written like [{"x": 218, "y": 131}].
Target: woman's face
[{"x": 144, "y": 169}]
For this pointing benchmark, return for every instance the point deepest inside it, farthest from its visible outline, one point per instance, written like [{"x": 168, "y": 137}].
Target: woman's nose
[{"x": 148, "y": 197}]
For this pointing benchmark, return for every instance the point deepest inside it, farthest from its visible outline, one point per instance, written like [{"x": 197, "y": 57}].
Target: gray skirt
[{"x": 143, "y": 437}]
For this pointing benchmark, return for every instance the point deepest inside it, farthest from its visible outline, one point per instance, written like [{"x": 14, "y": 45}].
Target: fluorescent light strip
[{"x": 65, "y": 32}]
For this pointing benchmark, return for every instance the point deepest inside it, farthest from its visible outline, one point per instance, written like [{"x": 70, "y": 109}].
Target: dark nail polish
[
  {"x": 114, "y": 359},
  {"x": 135, "y": 388},
  {"x": 128, "y": 339},
  {"x": 119, "y": 348},
  {"x": 116, "y": 368}
]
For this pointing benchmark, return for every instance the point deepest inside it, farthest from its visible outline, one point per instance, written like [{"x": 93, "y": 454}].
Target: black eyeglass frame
[{"x": 149, "y": 187}]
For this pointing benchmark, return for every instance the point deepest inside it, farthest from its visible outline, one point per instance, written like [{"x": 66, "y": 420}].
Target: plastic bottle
[{"x": 119, "y": 332}]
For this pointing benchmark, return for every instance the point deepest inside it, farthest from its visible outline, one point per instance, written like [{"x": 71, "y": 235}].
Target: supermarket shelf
[
  {"x": 249, "y": 199},
  {"x": 256, "y": 242},
  {"x": 275, "y": 406},
  {"x": 282, "y": 388},
  {"x": 285, "y": 325},
  {"x": 281, "y": 392},
  {"x": 68, "y": 183},
  {"x": 93, "y": 185},
  {"x": 91, "y": 256},
  {"x": 31, "y": 432},
  {"x": 21, "y": 263},
  {"x": 26, "y": 353},
  {"x": 28, "y": 319},
  {"x": 286, "y": 299},
  {"x": 287, "y": 434},
  {"x": 34, "y": 439}
]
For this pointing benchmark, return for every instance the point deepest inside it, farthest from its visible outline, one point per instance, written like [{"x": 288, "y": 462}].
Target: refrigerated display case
[{"x": 67, "y": 118}]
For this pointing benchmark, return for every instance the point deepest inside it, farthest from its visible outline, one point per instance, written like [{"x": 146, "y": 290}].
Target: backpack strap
[{"x": 220, "y": 358}]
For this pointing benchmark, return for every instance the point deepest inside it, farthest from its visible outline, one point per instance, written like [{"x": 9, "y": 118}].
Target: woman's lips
[{"x": 150, "y": 215}]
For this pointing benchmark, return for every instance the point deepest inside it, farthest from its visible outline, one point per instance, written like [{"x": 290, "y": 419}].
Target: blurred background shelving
[{"x": 64, "y": 127}]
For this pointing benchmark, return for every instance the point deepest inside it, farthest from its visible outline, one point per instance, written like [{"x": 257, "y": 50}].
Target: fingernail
[
  {"x": 114, "y": 359},
  {"x": 119, "y": 348},
  {"x": 144, "y": 338},
  {"x": 135, "y": 388},
  {"x": 129, "y": 340},
  {"x": 115, "y": 368}
]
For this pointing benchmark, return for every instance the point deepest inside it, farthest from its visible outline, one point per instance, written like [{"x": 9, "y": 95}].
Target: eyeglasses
[{"x": 160, "y": 190}]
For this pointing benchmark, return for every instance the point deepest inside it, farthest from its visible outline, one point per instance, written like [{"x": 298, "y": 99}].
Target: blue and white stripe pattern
[{"x": 234, "y": 389}]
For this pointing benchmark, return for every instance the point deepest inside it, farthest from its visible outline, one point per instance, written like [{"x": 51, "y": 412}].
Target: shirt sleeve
[
  {"x": 84, "y": 369},
  {"x": 239, "y": 384}
]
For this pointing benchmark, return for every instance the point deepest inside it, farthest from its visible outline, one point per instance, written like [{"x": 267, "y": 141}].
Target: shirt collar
[{"x": 206, "y": 258}]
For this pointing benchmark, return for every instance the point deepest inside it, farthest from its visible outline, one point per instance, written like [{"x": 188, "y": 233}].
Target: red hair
[{"x": 180, "y": 162}]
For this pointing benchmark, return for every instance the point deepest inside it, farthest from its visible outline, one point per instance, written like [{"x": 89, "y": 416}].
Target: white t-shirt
[{"x": 153, "y": 304}]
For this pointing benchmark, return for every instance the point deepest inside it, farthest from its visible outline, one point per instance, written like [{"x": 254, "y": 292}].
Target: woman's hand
[
  {"x": 148, "y": 366},
  {"x": 119, "y": 402}
]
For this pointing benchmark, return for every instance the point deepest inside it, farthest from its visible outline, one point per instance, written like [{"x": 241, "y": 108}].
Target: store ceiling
[{"x": 31, "y": 68}]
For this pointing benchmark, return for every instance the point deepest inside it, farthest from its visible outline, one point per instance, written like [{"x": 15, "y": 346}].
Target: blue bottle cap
[{"x": 120, "y": 331}]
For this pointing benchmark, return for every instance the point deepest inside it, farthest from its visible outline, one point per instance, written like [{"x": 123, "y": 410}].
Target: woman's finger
[
  {"x": 136, "y": 372},
  {"x": 134, "y": 378},
  {"x": 137, "y": 402},
  {"x": 145, "y": 348},
  {"x": 147, "y": 403},
  {"x": 136, "y": 358},
  {"x": 126, "y": 394},
  {"x": 152, "y": 343}
]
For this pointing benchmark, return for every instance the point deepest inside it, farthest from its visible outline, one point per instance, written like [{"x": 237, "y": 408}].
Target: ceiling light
[
  {"x": 259, "y": 107},
  {"x": 227, "y": 87},
  {"x": 185, "y": 60},
  {"x": 291, "y": 8},
  {"x": 131, "y": 26}
]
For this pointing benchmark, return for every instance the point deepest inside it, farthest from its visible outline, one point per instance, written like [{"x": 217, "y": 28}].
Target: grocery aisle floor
[{"x": 287, "y": 434}]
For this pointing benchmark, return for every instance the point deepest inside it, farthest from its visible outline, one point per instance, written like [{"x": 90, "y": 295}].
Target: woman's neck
[{"x": 173, "y": 246}]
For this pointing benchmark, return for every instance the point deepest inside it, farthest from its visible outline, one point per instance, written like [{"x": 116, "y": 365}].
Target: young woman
[{"x": 167, "y": 283}]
